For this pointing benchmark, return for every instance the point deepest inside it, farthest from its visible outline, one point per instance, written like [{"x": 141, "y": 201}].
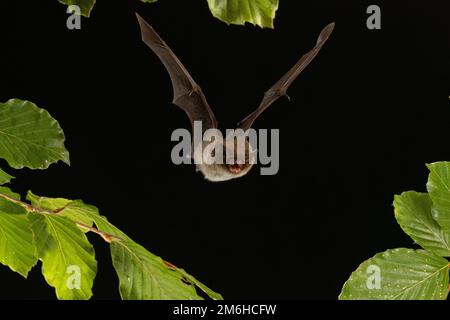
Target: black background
[{"x": 363, "y": 120}]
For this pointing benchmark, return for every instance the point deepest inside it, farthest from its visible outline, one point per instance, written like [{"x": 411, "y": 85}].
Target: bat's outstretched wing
[
  {"x": 279, "y": 89},
  {"x": 187, "y": 94}
]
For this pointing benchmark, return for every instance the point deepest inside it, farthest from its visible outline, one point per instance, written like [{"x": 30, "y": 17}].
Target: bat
[{"x": 188, "y": 95}]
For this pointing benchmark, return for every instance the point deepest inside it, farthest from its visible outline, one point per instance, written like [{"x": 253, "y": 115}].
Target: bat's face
[{"x": 236, "y": 161}]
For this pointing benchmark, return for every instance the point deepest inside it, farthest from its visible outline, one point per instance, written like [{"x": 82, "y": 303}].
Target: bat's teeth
[{"x": 235, "y": 168}]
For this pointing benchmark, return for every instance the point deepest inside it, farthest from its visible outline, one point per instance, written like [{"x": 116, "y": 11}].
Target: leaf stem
[{"x": 30, "y": 208}]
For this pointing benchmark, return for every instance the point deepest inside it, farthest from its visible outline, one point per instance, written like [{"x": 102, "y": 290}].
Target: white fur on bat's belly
[{"x": 215, "y": 172}]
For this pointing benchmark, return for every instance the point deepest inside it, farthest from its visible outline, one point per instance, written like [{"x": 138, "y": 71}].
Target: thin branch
[
  {"x": 106, "y": 236},
  {"x": 30, "y": 208},
  {"x": 25, "y": 205}
]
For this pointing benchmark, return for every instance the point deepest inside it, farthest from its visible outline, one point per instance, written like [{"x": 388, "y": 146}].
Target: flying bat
[{"x": 188, "y": 95}]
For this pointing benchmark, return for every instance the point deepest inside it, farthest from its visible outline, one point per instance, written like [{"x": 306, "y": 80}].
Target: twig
[{"x": 30, "y": 208}]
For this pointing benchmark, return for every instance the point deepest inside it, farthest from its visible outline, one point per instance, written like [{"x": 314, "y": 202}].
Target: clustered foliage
[
  {"x": 406, "y": 273},
  {"x": 258, "y": 12},
  {"x": 53, "y": 230}
]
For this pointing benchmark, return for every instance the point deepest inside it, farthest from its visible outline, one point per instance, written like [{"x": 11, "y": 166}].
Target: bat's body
[
  {"x": 189, "y": 96},
  {"x": 228, "y": 169}
]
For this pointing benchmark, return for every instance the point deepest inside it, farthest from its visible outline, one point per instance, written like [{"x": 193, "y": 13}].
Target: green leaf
[
  {"x": 75, "y": 210},
  {"x": 17, "y": 250},
  {"x": 85, "y": 5},
  {"x": 68, "y": 261},
  {"x": 413, "y": 213},
  {"x": 5, "y": 177},
  {"x": 144, "y": 276},
  {"x": 438, "y": 187},
  {"x": 258, "y": 12},
  {"x": 29, "y": 136},
  {"x": 399, "y": 274},
  {"x": 205, "y": 289}
]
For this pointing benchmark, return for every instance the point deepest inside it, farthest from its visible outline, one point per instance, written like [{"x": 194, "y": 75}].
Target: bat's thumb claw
[{"x": 287, "y": 96}]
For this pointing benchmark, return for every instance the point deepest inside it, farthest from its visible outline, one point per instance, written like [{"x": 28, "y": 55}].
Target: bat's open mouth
[{"x": 235, "y": 168}]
